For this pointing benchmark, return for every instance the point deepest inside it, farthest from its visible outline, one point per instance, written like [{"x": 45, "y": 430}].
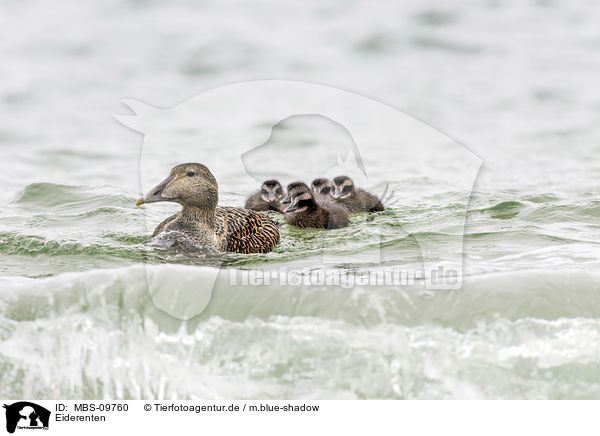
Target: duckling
[
  {"x": 305, "y": 212},
  {"x": 322, "y": 188},
  {"x": 268, "y": 198},
  {"x": 355, "y": 199},
  {"x": 294, "y": 187},
  {"x": 202, "y": 224}
]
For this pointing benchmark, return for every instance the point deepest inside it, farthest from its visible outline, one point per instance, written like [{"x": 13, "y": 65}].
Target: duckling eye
[
  {"x": 191, "y": 174},
  {"x": 325, "y": 190}
]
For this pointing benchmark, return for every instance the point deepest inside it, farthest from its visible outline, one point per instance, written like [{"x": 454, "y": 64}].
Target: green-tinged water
[{"x": 76, "y": 315}]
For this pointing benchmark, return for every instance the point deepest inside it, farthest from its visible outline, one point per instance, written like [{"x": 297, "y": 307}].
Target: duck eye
[
  {"x": 191, "y": 174},
  {"x": 325, "y": 190}
]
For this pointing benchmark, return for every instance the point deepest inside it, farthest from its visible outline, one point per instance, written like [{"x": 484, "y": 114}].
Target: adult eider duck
[
  {"x": 306, "y": 212},
  {"x": 201, "y": 224},
  {"x": 355, "y": 199},
  {"x": 267, "y": 198}
]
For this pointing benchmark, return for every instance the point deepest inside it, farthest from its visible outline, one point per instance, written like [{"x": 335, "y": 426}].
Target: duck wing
[
  {"x": 246, "y": 231},
  {"x": 159, "y": 228}
]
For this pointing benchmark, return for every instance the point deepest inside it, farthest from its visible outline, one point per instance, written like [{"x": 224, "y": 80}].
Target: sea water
[{"x": 515, "y": 82}]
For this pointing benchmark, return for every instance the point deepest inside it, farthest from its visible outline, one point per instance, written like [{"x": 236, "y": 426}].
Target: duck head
[
  {"x": 301, "y": 201},
  {"x": 322, "y": 187},
  {"x": 271, "y": 190},
  {"x": 294, "y": 187},
  {"x": 343, "y": 187},
  {"x": 189, "y": 184}
]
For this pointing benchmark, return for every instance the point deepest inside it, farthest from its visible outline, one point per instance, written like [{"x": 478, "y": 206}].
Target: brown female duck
[{"x": 202, "y": 224}]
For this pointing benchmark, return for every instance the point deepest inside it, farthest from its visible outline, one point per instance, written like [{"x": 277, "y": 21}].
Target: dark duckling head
[
  {"x": 343, "y": 187},
  {"x": 322, "y": 186},
  {"x": 271, "y": 190},
  {"x": 301, "y": 200},
  {"x": 189, "y": 184},
  {"x": 295, "y": 188}
]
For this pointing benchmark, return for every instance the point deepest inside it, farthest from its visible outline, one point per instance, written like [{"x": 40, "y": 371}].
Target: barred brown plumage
[{"x": 246, "y": 231}]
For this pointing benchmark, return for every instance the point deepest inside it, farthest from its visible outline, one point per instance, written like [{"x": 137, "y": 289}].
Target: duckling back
[
  {"x": 338, "y": 215},
  {"x": 360, "y": 201},
  {"x": 366, "y": 202}
]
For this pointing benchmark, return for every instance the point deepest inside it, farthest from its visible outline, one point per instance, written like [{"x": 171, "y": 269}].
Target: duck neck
[{"x": 194, "y": 215}]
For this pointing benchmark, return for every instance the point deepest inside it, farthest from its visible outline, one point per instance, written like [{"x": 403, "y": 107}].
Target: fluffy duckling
[
  {"x": 201, "y": 224},
  {"x": 268, "y": 198},
  {"x": 355, "y": 199},
  {"x": 305, "y": 212}
]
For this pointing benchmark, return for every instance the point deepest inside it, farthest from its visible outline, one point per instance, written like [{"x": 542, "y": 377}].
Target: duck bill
[
  {"x": 286, "y": 200},
  {"x": 155, "y": 194},
  {"x": 338, "y": 193}
]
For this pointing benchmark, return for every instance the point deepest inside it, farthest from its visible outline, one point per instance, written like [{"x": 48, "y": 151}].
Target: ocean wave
[
  {"x": 33, "y": 245},
  {"x": 541, "y": 294},
  {"x": 56, "y": 197},
  {"x": 525, "y": 334}
]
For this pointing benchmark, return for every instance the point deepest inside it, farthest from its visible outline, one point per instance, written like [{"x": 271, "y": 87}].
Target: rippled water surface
[{"x": 515, "y": 82}]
